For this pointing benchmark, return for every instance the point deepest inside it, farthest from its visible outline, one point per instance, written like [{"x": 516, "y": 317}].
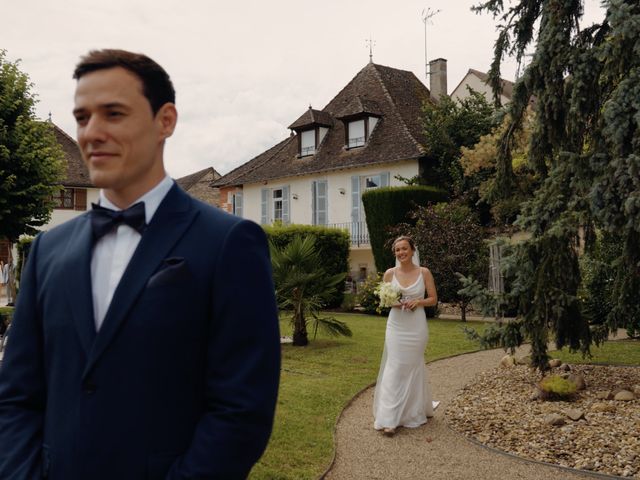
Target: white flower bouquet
[{"x": 389, "y": 294}]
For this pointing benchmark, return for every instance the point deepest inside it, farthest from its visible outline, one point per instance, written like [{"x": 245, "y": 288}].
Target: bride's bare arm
[
  {"x": 430, "y": 287},
  {"x": 388, "y": 275}
]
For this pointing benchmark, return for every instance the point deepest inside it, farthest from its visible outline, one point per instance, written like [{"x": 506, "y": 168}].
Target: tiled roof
[
  {"x": 359, "y": 106},
  {"x": 77, "y": 174},
  {"x": 312, "y": 117},
  {"x": 189, "y": 181},
  {"x": 396, "y": 96}
]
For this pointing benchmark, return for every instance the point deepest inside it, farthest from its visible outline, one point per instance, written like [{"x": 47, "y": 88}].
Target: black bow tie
[{"x": 103, "y": 220}]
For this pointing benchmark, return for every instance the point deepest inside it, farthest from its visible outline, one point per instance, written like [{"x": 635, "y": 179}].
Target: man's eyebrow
[{"x": 105, "y": 106}]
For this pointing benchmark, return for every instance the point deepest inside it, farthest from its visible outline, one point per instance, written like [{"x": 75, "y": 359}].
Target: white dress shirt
[{"x": 112, "y": 253}]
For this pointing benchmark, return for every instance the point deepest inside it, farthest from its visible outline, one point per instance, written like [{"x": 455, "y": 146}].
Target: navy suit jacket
[{"x": 181, "y": 380}]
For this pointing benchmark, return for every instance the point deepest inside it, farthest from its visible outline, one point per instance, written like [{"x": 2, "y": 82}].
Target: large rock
[
  {"x": 604, "y": 395},
  {"x": 577, "y": 380},
  {"x": 624, "y": 396},
  {"x": 554, "y": 362},
  {"x": 574, "y": 414},
  {"x": 636, "y": 390},
  {"x": 508, "y": 361},
  {"x": 602, "y": 407},
  {"x": 564, "y": 367},
  {"x": 554, "y": 419}
]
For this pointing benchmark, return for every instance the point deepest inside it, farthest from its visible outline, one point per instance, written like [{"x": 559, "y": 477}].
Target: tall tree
[
  {"x": 450, "y": 125},
  {"x": 31, "y": 160},
  {"x": 585, "y": 151}
]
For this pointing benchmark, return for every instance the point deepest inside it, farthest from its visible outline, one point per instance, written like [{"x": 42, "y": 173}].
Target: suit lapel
[
  {"x": 78, "y": 263},
  {"x": 173, "y": 217}
]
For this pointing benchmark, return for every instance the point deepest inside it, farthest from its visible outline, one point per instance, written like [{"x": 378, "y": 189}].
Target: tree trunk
[
  {"x": 300, "y": 337},
  {"x": 463, "y": 312}
]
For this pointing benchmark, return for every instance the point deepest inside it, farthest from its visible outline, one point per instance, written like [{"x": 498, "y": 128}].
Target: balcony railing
[{"x": 357, "y": 230}]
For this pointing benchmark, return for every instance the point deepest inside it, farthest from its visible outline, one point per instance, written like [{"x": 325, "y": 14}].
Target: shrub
[
  {"x": 554, "y": 387},
  {"x": 349, "y": 302},
  {"x": 389, "y": 206},
  {"x": 23, "y": 246},
  {"x": 332, "y": 243},
  {"x": 367, "y": 297},
  {"x": 450, "y": 241}
]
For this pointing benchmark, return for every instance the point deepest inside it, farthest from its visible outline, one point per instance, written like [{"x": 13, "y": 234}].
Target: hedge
[
  {"x": 333, "y": 244},
  {"x": 388, "y": 206}
]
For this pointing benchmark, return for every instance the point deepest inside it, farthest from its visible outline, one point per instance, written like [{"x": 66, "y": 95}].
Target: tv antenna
[
  {"x": 427, "y": 14},
  {"x": 370, "y": 44}
]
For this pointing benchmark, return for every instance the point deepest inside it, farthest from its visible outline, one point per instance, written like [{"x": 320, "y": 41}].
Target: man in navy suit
[{"x": 145, "y": 340}]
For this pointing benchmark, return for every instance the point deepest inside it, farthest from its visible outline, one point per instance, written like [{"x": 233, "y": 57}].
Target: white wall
[
  {"x": 478, "y": 85},
  {"x": 339, "y": 205},
  {"x": 59, "y": 216}
]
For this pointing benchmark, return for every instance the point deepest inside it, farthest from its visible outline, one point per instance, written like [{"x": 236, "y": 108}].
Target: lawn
[
  {"x": 615, "y": 352},
  {"x": 317, "y": 381}
]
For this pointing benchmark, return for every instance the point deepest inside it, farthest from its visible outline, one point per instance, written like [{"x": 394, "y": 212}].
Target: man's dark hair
[{"x": 156, "y": 84}]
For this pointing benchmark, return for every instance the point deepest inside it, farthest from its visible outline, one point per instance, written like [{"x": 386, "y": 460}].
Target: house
[
  {"x": 78, "y": 192},
  {"x": 199, "y": 185},
  {"x": 479, "y": 81},
  {"x": 367, "y": 136}
]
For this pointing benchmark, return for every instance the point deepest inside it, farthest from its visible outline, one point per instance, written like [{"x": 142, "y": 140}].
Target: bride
[{"x": 402, "y": 396}]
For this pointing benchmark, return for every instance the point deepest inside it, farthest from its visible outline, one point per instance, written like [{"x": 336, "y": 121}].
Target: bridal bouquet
[{"x": 388, "y": 293}]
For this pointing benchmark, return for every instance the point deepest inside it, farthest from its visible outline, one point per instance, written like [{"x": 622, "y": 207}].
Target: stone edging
[{"x": 529, "y": 460}]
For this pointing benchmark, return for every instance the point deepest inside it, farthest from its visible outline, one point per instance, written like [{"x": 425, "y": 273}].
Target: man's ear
[{"x": 167, "y": 117}]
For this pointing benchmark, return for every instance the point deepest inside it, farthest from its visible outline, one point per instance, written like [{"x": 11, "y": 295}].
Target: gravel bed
[{"x": 499, "y": 409}]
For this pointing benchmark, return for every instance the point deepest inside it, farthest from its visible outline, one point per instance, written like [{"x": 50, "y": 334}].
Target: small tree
[
  {"x": 304, "y": 287},
  {"x": 31, "y": 160},
  {"x": 450, "y": 241}
]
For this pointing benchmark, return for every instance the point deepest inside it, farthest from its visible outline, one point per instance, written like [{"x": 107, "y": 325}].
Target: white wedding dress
[{"x": 402, "y": 396}]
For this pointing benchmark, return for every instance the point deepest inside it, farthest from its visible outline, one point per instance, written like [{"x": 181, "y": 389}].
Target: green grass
[
  {"x": 6, "y": 310},
  {"x": 614, "y": 352},
  {"x": 318, "y": 380}
]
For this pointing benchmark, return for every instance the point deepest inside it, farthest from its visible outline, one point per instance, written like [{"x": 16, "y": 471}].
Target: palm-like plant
[{"x": 304, "y": 287}]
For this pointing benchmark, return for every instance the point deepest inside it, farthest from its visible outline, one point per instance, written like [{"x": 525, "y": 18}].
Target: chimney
[{"x": 438, "y": 78}]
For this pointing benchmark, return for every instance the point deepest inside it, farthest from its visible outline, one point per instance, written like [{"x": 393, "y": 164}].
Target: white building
[{"x": 367, "y": 135}]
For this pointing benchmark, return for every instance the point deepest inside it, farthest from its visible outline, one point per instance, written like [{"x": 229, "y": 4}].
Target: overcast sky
[{"x": 243, "y": 70}]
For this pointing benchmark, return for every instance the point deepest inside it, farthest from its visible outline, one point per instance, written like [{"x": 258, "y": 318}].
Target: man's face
[{"x": 120, "y": 138}]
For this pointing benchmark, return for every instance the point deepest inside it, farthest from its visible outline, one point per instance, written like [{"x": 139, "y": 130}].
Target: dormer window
[
  {"x": 311, "y": 128},
  {"x": 358, "y": 131},
  {"x": 307, "y": 142},
  {"x": 360, "y": 117}
]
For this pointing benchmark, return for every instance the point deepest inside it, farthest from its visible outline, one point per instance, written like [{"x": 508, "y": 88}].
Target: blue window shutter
[
  {"x": 384, "y": 179},
  {"x": 264, "y": 216},
  {"x": 314, "y": 203},
  {"x": 355, "y": 198},
  {"x": 321, "y": 203},
  {"x": 285, "y": 204}
]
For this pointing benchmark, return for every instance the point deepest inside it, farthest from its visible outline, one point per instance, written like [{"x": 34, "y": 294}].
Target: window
[
  {"x": 277, "y": 204},
  {"x": 70, "y": 199},
  {"x": 359, "y": 131},
  {"x": 373, "y": 181},
  {"x": 307, "y": 143},
  {"x": 356, "y": 134},
  {"x": 235, "y": 200},
  {"x": 360, "y": 184},
  {"x": 274, "y": 205},
  {"x": 63, "y": 199}
]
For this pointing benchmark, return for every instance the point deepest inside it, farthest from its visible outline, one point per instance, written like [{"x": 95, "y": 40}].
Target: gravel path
[{"x": 432, "y": 451}]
